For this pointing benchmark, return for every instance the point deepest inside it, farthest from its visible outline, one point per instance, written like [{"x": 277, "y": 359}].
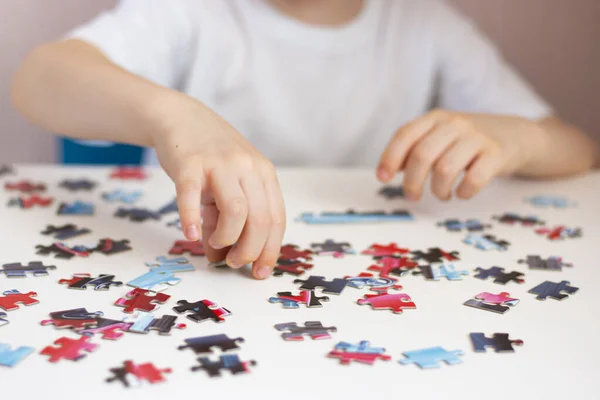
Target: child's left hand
[{"x": 447, "y": 144}]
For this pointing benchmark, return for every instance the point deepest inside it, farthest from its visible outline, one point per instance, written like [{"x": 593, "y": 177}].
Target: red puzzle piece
[
  {"x": 366, "y": 358},
  {"x": 111, "y": 331},
  {"x": 184, "y": 246},
  {"x": 69, "y": 349},
  {"x": 129, "y": 173},
  {"x": 393, "y": 265},
  {"x": 499, "y": 299},
  {"x": 385, "y": 301},
  {"x": 291, "y": 252},
  {"x": 146, "y": 372},
  {"x": 25, "y": 187},
  {"x": 29, "y": 202},
  {"x": 379, "y": 250},
  {"x": 138, "y": 299},
  {"x": 11, "y": 300}
]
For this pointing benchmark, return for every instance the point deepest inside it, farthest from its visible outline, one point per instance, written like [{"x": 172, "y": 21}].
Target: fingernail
[
  {"x": 383, "y": 174},
  {"x": 192, "y": 232},
  {"x": 264, "y": 272}
]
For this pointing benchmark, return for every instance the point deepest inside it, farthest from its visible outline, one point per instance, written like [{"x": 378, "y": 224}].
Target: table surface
[{"x": 559, "y": 359}]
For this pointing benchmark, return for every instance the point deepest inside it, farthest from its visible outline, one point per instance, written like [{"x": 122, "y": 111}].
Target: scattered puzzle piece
[
  {"x": 61, "y": 250},
  {"x": 364, "y": 346},
  {"x": 175, "y": 223},
  {"x": 25, "y": 187},
  {"x": 142, "y": 322},
  {"x": 396, "y": 302},
  {"x": 549, "y": 201},
  {"x": 512, "y": 218},
  {"x": 82, "y": 281},
  {"x": 314, "y": 329},
  {"x": 431, "y": 357},
  {"x": 435, "y": 272},
  {"x": 549, "y": 264},
  {"x": 352, "y": 216},
  {"x": 330, "y": 247},
  {"x": 109, "y": 246},
  {"x": 202, "y": 310},
  {"x": 76, "y": 208},
  {"x": 397, "y": 266},
  {"x": 388, "y": 250},
  {"x": 292, "y": 252},
  {"x": 435, "y": 255},
  {"x": 362, "y": 352},
  {"x": 204, "y": 344},
  {"x": 184, "y": 246},
  {"x": 130, "y": 374},
  {"x": 365, "y": 279},
  {"x": 306, "y": 297},
  {"x": 122, "y": 196},
  {"x": 3, "y": 321},
  {"x": 129, "y": 173},
  {"x": 76, "y": 185},
  {"x": 499, "y": 275},
  {"x": 137, "y": 214},
  {"x": 486, "y": 242},
  {"x": 330, "y": 287},
  {"x": 140, "y": 299},
  {"x": 471, "y": 225},
  {"x": 10, "y": 358},
  {"x": 497, "y": 303},
  {"x": 291, "y": 267},
  {"x": 12, "y": 298},
  {"x": 65, "y": 232},
  {"x": 230, "y": 362},
  {"x": 110, "y": 329},
  {"x": 69, "y": 349},
  {"x": 560, "y": 232},
  {"x": 392, "y": 192},
  {"x": 154, "y": 281},
  {"x": 18, "y": 270},
  {"x": 170, "y": 207},
  {"x": 31, "y": 201},
  {"x": 76, "y": 318},
  {"x": 553, "y": 290},
  {"x": 500, "y": 342}
]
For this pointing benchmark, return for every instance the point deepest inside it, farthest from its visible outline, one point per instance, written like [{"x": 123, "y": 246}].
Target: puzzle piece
[
  {"x": 306, "y": 297},
  {"x": 109, "y": 246},
  {"x": 230, "y": 362},
  {"x": 76, "y": 318},
  {"x": 397, "y": 266},
  {"x": 553, "y": 290},
  {"x": 431, "y": 357},
  {"x": 560, "y": 232},
  {"x": 184, "y": 246},
  {"x": 512, "y": 218},
  {"x": 142, "y": 322},
  {"x": 76, "y": 208},
  {"x": 122, "y": 196},
  {"x": 396, "y": 302},
  {"x": 204, "y": 344},
  {"x": 65, "y": 232},
  {"x": 364, "y": 346},
  {"x": 127, "y": 173},
  {"x": 6, "y": 170},
  {"x": 549, "y": 264},
  {"x": 499, "y": 275},
  {"x": 140, "y": 299},
  {"x": 549, "y": 201},
  {"x": 130, "y": 374},
  {"x": 31, "y": 201},
  {"x": 291, "y": 267},
  {"x": 330, "y": 287},
  {"x": 435, "y": 272},
  {"x": 365, "y": 279},
  {"x": 25, "y": 187},
  {"x": 154, "y": 281},
  {"x": 392, "y": 192},
  {"x": 82, "y": 281},
  {"x": 314, "y": 329},
  {"x": 76, "y": 185},
  {"x": 497, "y": 303},
  {"x": 170, "y": 207},
  {"x": 292, "y": 252},
  {"x": 137, "y": 214},
  {"x": 500, "y": 342},
  {"x": 165, "y": 264},
  {"x": 110, "y": 329},
  {"x": 12, "y": 298},
  {"x": 175, "y": 223},
  {"x": 388, "y": 250},
  {"x": 18, "y": 270},
  {"x": 486, "y": 242},
  {"x": 471, "y": 225},
  {"x": 361, "y": 352},
  {"x": 69, "y": 349},
  {"x": 352, "y": 216},
  {"x": 330, "y": 247},
  {"x": 3, "y": 321},
  {"x": 61, "y": 250},
  {"x": 10, "y": 358},
  {"x": 435, "y": 255},
  {"x": 202, "y": 310}
]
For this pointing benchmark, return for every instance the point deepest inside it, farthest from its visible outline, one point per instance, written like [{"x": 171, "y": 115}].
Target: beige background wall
[{"x": 555, "y": 44}]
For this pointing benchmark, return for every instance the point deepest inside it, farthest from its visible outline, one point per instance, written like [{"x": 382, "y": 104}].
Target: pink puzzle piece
[
  {"x": 499, "y": 299},
  {"x": 366, "y": 358},
  {"x": 385, "y": 301},
  {"x": 393, "y": 265}
]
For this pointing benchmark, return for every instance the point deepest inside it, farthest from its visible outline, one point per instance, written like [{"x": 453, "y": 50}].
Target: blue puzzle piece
[
  {"x": 549, "y": 201},
  {"x": 2, "y": 320},
  {"x": 10, "y": 358},
  {"x": 141, "y": 322},
  {"x": 286, "y": 303},
  {"x": 154, "y": 281},
  {"x": 449, "y": 272},
  {"x": 169, "y": 207},
  {"x": 484, "y": 242},
  {"x": 353, "y": 217},
  {"x": 122, "y": 196},
  {"x": 76, "y": 208},
  {"x": 431, "y": 357},
  {"x": 471, "y": 225},
  {"x": 164, "y": 264},
  {"x": 362, "y": 347}
]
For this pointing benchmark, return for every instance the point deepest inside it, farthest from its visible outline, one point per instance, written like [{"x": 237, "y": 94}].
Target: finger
[
  {"x": 263, "y": 266},
  {"x": 189, "y": 191},
  {"x": 233, "y": 209},
  {"x": 258, "y": 224},
  {"x": 484, "y": 169},
  {"x": 422, "y": 157},
  {"x": 394, "y": 155},
  {"x": 210, "y": 216},
  {"x": 455, "y": 160}
]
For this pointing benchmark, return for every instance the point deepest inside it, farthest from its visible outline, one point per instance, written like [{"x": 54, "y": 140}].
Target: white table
[{"x": 560, "y": 358}]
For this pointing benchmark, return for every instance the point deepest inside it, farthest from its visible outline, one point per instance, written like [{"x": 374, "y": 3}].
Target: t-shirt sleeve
[
  {"x": 473, "y": 76},
  {"x": 150, "y": 38}
]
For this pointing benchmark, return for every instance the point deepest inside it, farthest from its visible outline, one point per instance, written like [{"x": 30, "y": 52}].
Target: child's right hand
[{"x": 214, "y": 166}]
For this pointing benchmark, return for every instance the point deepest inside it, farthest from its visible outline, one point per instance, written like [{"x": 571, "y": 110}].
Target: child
[{"x": 224, "y": 89}]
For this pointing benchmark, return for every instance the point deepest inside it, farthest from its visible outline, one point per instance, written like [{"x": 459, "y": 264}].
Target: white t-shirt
[{"x": 314, "y": 95}]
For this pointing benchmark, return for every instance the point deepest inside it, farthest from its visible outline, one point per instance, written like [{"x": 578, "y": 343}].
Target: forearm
[{"x": 72, "y": 89}]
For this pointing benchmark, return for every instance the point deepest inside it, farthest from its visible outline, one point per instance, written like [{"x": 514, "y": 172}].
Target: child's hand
[
  {"x": 213, "y": 165},
  {"x": 448, "y": 144}
]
